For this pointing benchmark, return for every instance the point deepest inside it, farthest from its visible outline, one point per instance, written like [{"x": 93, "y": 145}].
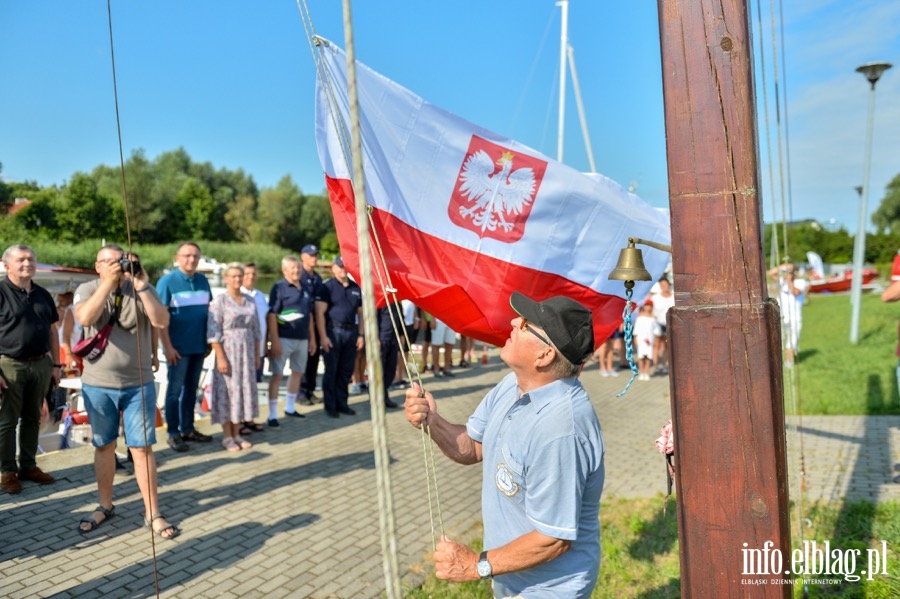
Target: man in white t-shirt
[{"x": 248, "y": 286}]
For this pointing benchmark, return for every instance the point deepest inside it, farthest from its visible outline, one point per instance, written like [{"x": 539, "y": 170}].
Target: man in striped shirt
[{"x": 187, "y": 294}]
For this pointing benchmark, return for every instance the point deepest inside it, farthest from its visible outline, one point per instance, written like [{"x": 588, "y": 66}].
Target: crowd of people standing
[{"x": 126, "y": 322}]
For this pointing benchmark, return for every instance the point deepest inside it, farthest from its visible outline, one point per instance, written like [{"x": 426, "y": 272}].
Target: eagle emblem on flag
[{"x": 495, "y": 190}]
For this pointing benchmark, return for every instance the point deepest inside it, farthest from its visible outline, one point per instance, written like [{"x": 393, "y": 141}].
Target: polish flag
[{"x": 464, "y": 217}]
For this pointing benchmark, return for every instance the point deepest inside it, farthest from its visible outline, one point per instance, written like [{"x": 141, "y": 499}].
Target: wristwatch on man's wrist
[{"x": 484, "y": 567}]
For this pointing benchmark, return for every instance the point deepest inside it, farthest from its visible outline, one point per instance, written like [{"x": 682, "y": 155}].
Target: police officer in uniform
[
  {"x": 29, "y": 346},
  {"x": 309, "y": 259},
  {"x": 339, "y": 322}
]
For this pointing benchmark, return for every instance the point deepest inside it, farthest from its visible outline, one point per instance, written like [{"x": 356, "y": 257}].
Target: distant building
[{"x": 17, "y": 205}]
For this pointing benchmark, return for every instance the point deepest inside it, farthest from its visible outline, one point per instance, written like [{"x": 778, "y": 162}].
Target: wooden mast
[{"x": 726, "y": 379}]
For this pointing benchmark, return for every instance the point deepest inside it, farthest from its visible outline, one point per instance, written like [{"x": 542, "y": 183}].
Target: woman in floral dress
[{"x": 233, "y": 332}]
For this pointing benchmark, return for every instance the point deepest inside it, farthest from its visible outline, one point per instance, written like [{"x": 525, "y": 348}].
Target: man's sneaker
[
  {"x": 177, "y": 443},
  {"x": 355, "y": 389},
  {"x": 272, "y": 423},
  {"x": 438, "y": 373},
  {"x": 446, "y": 372},
  {"x": 196, "y": 436},
  {"x": 294, "y": 414}
]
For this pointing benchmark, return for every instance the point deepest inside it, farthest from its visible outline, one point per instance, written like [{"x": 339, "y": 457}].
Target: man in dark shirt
[
  {"x": 291, "y": 330},
  {"x": 309, "y": 259},
  {"x": 339, "y": 321},
  {"x": 389, "y": 317},
  {"x": 29, "y": 346}
]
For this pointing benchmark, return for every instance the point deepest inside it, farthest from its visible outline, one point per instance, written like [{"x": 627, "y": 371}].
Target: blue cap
[
  {"x": 339, "y": 262},
  {"x": 310, "y": 249}
]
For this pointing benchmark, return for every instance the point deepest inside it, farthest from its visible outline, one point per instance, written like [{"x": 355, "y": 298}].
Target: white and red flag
[{"x": 464, "y": 217}]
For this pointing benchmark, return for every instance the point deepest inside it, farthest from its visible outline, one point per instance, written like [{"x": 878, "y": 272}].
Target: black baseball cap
[
  {"x": 310, "y": 249},
  {"x": 568, "y": 324},
  {"x": 339, "y": 262}
]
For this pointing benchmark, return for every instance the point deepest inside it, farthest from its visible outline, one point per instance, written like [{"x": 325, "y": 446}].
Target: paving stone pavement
[{"x": 297, "y": 515}]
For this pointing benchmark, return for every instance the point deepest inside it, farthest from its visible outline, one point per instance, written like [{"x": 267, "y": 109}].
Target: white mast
[
  {"x": 564, "y": 43},
  {"x": 581, "y": 116}
]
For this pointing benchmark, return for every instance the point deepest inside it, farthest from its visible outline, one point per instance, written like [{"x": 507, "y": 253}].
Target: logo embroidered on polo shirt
[{"x": 505, "y": 480}]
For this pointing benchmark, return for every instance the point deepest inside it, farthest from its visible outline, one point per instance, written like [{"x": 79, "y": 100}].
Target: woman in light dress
[{"x": 233, "y": 331}]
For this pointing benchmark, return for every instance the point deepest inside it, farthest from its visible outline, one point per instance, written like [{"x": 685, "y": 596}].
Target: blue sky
[{"x": 233, "y": 82}]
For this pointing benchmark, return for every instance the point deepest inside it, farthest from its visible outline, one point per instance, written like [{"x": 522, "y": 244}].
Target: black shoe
[
  {"x": 347, "y": 411},
  {"x": 331, "y": 414},
  {"x": 177, "y": 443},
  {"x": 447, "y": 373},
  {"x": 273, "y": 423},
  {"x": 196, "y": 436},
  {"x": 294, "y": 414},
  {"x": 389, "y": 404}
]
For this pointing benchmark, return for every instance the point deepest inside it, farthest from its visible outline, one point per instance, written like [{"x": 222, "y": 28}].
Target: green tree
[
  {"x": 144, "y": 212},
  {"x": 84, "y": 212},
  {"x": 241, "y": 218},
  {"x": 196, "y": 206},
  {"x": 316, "y": 219},
  {"x": 39, "y": 217},
  {"x": 278, "y": 214},
  {"x": 5, "y": 194},
  {"x": 887, "y": 216}
]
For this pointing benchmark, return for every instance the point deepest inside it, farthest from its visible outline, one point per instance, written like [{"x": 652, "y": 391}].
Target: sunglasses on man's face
[{"x": 527, "y": 327}]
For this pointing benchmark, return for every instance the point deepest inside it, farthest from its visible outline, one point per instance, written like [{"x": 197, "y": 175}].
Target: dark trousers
[
  {"x": 390, "y": 350},
  {"x": 308, "y": 381},
  {"x": 181, "y": 393},
  {"x": 339, "y": 368},
  {"x": 27, "y": 385}
]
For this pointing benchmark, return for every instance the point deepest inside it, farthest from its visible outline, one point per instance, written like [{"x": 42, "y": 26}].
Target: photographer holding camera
[{"x": 120, "y": 379}]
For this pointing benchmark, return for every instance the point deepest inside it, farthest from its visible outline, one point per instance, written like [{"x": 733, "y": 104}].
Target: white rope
[{"x": 378, "y": 266}]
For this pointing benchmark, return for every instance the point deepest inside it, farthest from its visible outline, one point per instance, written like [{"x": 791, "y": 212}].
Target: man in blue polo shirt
[
  {"x": 290, "y": 325},
  {"x": 187, "y": 295},
  {"x": 539, "y": 438}
]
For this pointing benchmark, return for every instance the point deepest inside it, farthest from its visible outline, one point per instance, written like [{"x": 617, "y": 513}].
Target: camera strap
[{"x": 114, "y": 319}]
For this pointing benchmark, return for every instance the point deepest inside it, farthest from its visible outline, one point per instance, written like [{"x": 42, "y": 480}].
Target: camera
[{"x": 127, "y": 265}]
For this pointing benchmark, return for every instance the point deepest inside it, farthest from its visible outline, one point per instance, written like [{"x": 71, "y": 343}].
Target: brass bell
[{"x": 630, "y": 266}]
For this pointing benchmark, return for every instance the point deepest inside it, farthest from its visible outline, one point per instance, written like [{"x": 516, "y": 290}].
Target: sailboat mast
[{"x": 564, "y": 44}]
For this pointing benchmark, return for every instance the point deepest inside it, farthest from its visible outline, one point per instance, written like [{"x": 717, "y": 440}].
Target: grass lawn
[
  {"x": 834, "y": 377},
  {"x": 640, "y": 552}
]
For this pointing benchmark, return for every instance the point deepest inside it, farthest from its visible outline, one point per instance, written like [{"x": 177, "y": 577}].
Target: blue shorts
[{"x": 103, "y": 406}]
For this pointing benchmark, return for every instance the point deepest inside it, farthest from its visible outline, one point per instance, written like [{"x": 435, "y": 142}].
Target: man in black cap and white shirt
[{"x": 539, "y": 438}]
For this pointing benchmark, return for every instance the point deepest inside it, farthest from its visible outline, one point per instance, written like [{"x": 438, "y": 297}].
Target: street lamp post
[{"x": 872, "y": 72}]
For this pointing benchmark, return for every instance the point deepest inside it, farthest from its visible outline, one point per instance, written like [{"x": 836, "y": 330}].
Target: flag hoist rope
[
  {"x": 372, "y": 261},
  {"x": 154, "y": 509},
  {"x": 792, "y": 388}
]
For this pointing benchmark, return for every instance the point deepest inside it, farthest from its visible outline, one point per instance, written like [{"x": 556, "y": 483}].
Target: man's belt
[
  {"x": 31, "y": 359},
  {"x": 346, "y": 327}
]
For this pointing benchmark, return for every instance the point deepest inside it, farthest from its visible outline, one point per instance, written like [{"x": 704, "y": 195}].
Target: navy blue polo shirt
[
  {"x": 25, "y": 319},
  {"x": 292, "y": 306},
  {"x": 343, "y": 302},
  {"x": 385, "y": 326},
  {"x": 313, "y": 281}
]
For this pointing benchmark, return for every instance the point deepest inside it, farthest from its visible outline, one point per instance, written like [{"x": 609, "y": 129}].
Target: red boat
[{"x": 841, "y": 282}]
